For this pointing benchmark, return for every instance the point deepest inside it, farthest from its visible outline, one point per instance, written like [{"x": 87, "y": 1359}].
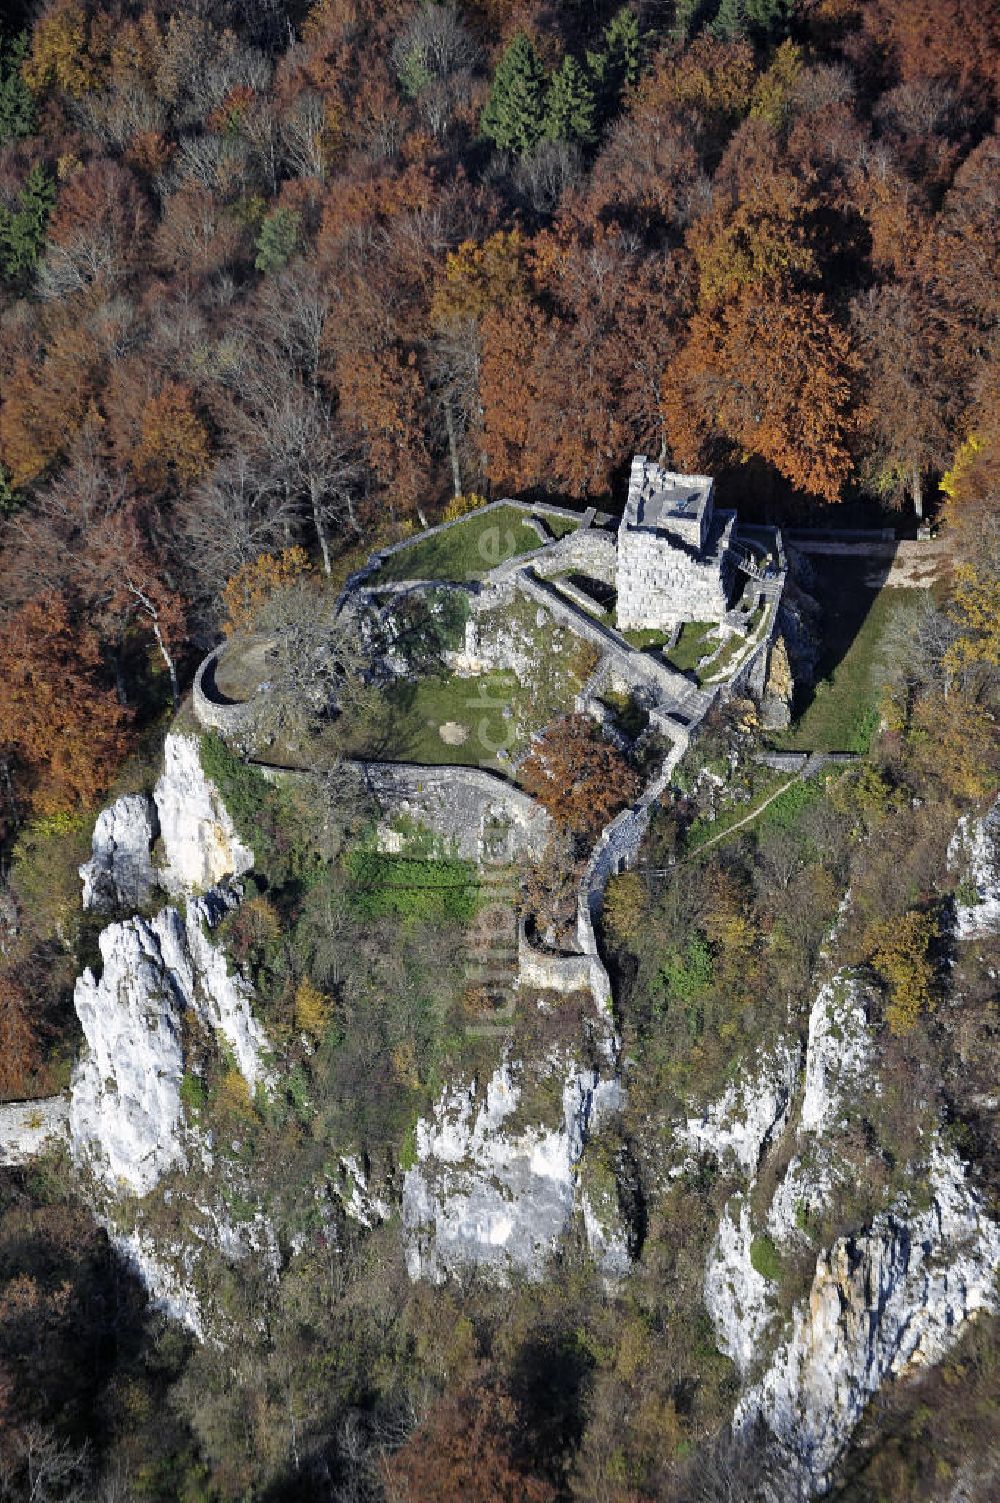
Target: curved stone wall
[{"x": 211, "y": 710}]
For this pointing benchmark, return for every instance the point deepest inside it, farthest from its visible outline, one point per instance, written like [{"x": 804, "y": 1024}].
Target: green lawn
[
  {"x": 644, "y": 638},
  {"x": 692, "y": 645},
  {"x": 471, "y": 547},
  {"x": 415, "y": 711},
  {"x": 841, "y": 712}
]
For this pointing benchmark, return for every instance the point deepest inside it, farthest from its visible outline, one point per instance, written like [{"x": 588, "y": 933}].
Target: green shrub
[
  {"x": 765, "y": 1258},
  {"x": 192, "y": 1092},
  {"x": 412, "y": 887}
]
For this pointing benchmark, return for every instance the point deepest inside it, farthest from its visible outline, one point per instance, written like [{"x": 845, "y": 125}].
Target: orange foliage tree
[
  {"x": 67, "y": 732},
  {"x": 578, "y": 776},
  {"x": 254, "y": 584},
  {"x": 774, "y": 377},
  {"x": 20, "y": 1053},
  {"x": 465, "y": 1452},
  {"x": 173, "y": 440}
]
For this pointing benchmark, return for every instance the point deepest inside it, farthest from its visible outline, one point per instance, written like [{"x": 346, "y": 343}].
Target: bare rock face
[
  {"x": 120, "y": 872},
  {"x": 27, "y": 1128},
  {"x": 882, "y": 1301},
  {"x": 750, "y": 1113},
  {"x": 126, "y": 1115},
  {"x": 485, "y": 1195},
  {"x": 200, "y": 844},
  {"x": 974, "y": 854},
  {"x": 881, "y": 1304}
]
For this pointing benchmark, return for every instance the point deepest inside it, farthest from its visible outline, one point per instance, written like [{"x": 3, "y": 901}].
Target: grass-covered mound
[{"x": 472, "y": 547}]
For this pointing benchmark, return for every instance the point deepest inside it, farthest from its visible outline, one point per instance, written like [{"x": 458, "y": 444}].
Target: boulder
[{"x": 120, "y": 871}]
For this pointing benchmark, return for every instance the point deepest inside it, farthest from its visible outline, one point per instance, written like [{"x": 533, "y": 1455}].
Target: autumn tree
[
  {"x": 899, "y": 955},
  {"x": 20, "y": 1049},
  {"x": 252, "y": 586},
  {"x": 465, "y": 1451},
  {"x": 774, "y": 376},
  {"x": 579, "y": 776},
  {"x": 906, "y": 391},
  {"x": 173, "y": 445},
  {"x": 67, "y": 731}
]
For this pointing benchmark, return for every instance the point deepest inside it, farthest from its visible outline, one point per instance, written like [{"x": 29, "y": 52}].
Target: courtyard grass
[
  {"x": 414, "y": 711},
  {"x": 841, "y": 712},
  {"x": 645, "y": 639},
  {"x": 693, "y": 643},
  {"x": 471, "y": 547}
]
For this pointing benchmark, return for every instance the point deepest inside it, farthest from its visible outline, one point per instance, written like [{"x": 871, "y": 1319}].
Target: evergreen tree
[
  {"x": 617, "y": 65},
  {"x": 762, "y": 21},
  {"x": 570, "y": 106},
  {"x": 17, "y": 107},
  {"x": 278, "y": 237},
  {"x": 514, "y": 115},
  {"x": 22, "y": 231}
]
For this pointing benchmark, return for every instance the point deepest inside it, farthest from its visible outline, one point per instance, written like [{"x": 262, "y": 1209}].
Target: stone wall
[
  {"x": 661, "y": 584},
  {"x": 554, "y": 971},
  {"x": 231, "y": 720},
  {"x": 616, "y": 850},
  {"x": 485, "y": 817}
]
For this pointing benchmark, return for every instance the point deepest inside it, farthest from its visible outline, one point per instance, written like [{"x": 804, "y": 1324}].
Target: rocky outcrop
[
  {"x": 974, "y": 855},
  {"x": 200, "y": 844},
  {"x": 736, "y": 1295},
  {"x": 28, "y": 1128},
  {"x": 750, "y": 1113},
  {"x": 484, "y": 1194},
  {"x": 126, "y": 1117},
  {"x": 120, "y": 871},
  {"x": 892, "y": 1296},
  {"x": 839, "y": 1070},
  {"x": 881, "y": 1303}
]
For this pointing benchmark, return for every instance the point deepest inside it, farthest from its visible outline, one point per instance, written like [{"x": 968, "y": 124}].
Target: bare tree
[
  {"x": 231, "y": 518},
  {"x": 305, "y": 451},
  {"x": 434, "y": 58}
]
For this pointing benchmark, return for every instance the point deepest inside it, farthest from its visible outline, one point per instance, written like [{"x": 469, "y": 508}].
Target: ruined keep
[{"x": 674, "y": 558}]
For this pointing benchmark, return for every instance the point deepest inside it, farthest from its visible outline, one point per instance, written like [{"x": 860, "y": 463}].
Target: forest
[{"x": 281, "y": 276}]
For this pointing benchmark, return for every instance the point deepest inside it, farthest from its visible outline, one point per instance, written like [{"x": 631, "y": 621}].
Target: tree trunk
[
  {"x": 168, "y": 659},
  {"x": 456, "y": 468},
  {"x": 917, "y": 487},
  {"x": 320, "y": 529}
]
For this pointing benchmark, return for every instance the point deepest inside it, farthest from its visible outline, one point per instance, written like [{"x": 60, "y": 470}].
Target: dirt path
[{"x": 748, "y": 818}]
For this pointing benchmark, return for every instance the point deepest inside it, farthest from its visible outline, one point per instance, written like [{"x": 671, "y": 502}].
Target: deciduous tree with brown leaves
[
  {"x": 579, "y": 776},
  {"x": 63, "y": 726}
]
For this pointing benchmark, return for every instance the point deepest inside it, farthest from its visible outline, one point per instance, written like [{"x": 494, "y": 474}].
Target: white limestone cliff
[
  {"x": 28, "y": 1128},
  {"x": 120, "y": 871},
  {"x": 894, "y": 1295},
  {"x": 200, "y": 843},
  {"x": 750, "y": 1113},
  {"x": 882, "y": 1303},
  {"x": 125, "y": 1114},
  {"x": 839, "y": 1069},
  {"x": 974, "y": 854},
  {"x": 736, "y": 1295},
  {"x": 484, "y": 1195}
]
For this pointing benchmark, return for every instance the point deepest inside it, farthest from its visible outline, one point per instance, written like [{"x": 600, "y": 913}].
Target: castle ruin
[{"x": 674, "y": 557}]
